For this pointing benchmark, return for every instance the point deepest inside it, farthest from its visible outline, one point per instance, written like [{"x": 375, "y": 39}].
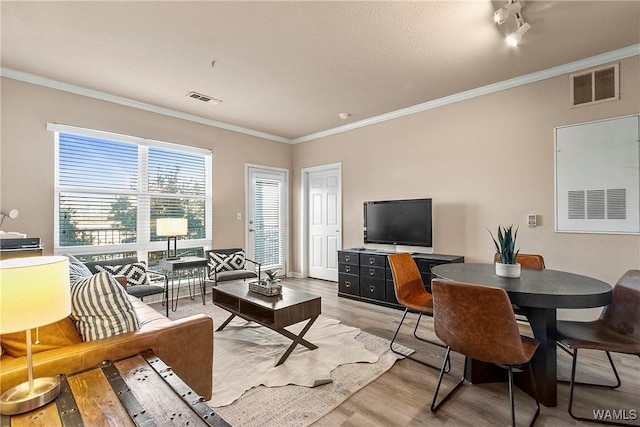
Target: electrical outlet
[
  {"x": 239, "y": 216},
  {"x": 532, "y": 220}
]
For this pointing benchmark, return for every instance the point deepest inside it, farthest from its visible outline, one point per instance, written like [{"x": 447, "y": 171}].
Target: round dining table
[{"x": 538, "y": 294}]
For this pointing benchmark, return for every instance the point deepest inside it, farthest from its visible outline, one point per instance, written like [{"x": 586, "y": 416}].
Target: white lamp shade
[
  {"x": 171, "y": 227},
  {"x": 34, "y": 292}
]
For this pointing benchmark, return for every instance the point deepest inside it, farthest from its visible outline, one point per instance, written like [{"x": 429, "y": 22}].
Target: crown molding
[
  {"x": 103, "y": 96},
  {"x": 571, "y": 67}
]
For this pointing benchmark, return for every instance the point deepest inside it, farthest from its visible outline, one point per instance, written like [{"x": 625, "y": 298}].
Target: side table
[
  {"x": 141, "y": 390},
  {"x": 194, "y": 267}
]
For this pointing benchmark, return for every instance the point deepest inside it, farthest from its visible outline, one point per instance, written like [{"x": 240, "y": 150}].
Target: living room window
[{"x": 110, "y": 189}]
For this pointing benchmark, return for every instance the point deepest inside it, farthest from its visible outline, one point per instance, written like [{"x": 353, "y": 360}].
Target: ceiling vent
[
  {"x": 594, "y": 86},
  {"x": 203, "y": 98}
]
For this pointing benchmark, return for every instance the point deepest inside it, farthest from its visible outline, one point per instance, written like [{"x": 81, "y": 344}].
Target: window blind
[
  {"x": 111, "y": 190},
  {"x": 269, "y": 221}
]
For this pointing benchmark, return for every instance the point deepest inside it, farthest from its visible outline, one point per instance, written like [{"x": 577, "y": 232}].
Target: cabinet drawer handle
[
  {"x": 347, "y": 268},
  {"x": 372, "y": 272},
  {"x": 372, "y": 261},
  {"x": 347, "y": 258},
  {"x": 347, "y": 284},
  {"x": 372, "y": 289}
]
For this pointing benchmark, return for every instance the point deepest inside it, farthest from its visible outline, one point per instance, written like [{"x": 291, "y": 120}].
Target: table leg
[
  {"x": 297, "y": 339},
  {"x": 203, "y": 284},
  {"x": 192, "y": 292},
  {"x": 225, "y": 323},
  {"x": 174, "y": 300},
  {"x": 544, "y": 362}
]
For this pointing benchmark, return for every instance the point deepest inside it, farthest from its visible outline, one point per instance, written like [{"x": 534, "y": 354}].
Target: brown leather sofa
[{"x": 186, "y": 345}]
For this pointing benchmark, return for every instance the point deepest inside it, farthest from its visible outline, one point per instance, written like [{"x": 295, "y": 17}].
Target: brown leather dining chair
[
  {"x": 532, "y": 261},
  {"x": 617, "y": 330},
  {"x": 412, "y": 294},
  {"x": 478, "y": 322}
]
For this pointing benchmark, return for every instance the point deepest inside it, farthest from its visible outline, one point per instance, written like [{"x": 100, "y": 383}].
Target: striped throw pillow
[{"x": 100, "y": 308}]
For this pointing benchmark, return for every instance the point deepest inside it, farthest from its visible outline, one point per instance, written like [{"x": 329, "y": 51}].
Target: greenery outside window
[{"x": 110, "y": 189}]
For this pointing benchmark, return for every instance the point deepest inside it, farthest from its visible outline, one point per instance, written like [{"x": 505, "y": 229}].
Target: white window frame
[{"x": 143, "y": 245}]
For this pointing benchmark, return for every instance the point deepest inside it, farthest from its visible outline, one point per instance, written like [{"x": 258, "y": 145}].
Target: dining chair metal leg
[
  {"x": 613, "y": 368},
  {"x": 435, "y": 406},
  {"x": 415, "y": 334},
  {"x": 572, "y": 386},
  {"x": 511, "y": 402},
  {"x": 445, "y": 361},
  {"x": 512, "y": 399},
  {"x": 404, "y": 315},
  {"x": 535, "y": 394}
]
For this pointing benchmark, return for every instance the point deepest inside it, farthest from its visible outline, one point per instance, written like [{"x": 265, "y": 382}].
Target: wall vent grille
[
  {"x": 597, "y": 204},
  {"x": 596, "y": 85},
  {"x": 203, "y": 98}
]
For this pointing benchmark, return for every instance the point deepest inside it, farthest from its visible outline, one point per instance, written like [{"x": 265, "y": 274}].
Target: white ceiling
[{"x": 289, "y": 68}]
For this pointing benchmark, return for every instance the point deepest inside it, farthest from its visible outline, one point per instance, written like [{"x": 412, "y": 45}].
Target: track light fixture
[
  {"x": 513, "y": 8},
  {"x": 506, "y": 11},
  {"x": 514, "y": 38}
]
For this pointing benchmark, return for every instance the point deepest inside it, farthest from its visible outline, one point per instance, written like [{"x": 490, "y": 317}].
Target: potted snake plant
[{"x": 506, "y": 248}]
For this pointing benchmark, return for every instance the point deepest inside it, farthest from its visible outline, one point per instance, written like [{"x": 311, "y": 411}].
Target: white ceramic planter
[{"x": 508, "y": 270}]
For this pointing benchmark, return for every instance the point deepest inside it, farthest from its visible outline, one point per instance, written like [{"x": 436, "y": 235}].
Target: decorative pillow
[
  {"x": 135, "y": 273},
  {"x": 77, "y": 269},
  {"x": 100, "y": 308},
  {"x": 223, "y": 262},
  {"x": 58, "y": 334}
]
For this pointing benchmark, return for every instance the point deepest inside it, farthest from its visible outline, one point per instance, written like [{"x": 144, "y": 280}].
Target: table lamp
[
  {"x": 171, "y": 228},
  {"x": 34, "y": 292},
  {"x": 13, "y": 214}
]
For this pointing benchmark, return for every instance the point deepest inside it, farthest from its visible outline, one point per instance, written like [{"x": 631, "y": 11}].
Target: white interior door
[
  {"x": 267, "y": 217},
  {"x": 324, "y": 223}
]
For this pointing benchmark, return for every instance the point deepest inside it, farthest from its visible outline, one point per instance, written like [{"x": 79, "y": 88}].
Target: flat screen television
[{"x": 398, "y": 222}]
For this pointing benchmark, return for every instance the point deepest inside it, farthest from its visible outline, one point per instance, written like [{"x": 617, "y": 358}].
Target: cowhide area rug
[{"x": 249, "y": 390}]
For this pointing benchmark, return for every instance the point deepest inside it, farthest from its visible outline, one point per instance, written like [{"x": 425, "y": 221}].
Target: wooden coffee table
[{"x": 275, "y": 312}]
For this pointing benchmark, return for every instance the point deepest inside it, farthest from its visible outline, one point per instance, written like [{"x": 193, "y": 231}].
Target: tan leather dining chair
[
  {"x": 531, "y": 261},
  {"x": 617, "y": 330},
  {"x": 478, "y": 321},
  {"x": 412, "y": 294}
]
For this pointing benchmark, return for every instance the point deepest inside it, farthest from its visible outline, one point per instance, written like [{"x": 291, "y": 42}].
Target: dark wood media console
[{"x": 365, "y": 275}]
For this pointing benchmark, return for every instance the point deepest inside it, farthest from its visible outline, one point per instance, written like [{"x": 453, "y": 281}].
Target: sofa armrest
[
  {"x": 122, "y": 280},
  {"x": 186, "y": 345}
]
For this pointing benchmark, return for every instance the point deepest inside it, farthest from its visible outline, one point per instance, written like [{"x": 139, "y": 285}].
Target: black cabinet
[
  {"x": 372, "y": 276},
  {"x": 348, "y": 273},
  {"x": 364, "y": 274}
]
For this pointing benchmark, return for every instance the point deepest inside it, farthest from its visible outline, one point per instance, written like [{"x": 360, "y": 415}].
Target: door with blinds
[{"x": 267, "y": 217}]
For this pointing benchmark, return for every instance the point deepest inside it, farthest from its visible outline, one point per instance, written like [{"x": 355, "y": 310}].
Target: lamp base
[{"x": 18, "y": 400}]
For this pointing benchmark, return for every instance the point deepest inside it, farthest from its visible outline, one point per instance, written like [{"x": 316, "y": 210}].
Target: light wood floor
[{"x": 402, "y": 396}]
